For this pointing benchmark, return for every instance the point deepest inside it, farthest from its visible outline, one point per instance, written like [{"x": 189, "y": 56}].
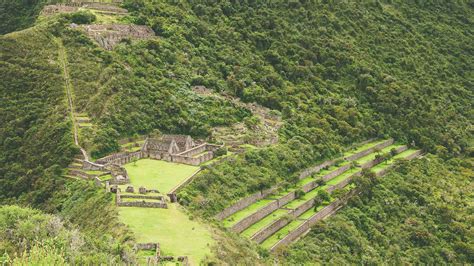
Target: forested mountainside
[
  {"x": 337, "y": 74},
  {"x": 417, "y": 213}
]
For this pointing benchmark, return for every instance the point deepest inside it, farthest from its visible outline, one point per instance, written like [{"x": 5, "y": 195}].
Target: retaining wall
[
  {"x": 369, "y": 150},
  {"x": 306, "y": 225},
  {"x": 337, "y": 172},
  {"x": 309, "y": 171},
  {"x": 331, "y": 208},
  {"x": 243, "y": 203},
  {"x": 266, "y": 232},
  {"x": 255, "y": 217}
]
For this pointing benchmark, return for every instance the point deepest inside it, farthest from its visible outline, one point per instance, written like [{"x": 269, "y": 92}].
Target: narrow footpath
[{"x": 69, "y": 90}]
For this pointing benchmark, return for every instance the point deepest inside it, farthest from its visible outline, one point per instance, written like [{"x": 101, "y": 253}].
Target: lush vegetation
[
  {"x": 419, "y": 213},
  {"x": 32, "y": 237},
  {"x": 18, "y": 15},
  {"x": 338, "y": 74}
]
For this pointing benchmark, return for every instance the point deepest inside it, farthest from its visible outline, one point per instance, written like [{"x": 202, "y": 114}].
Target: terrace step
[
  {"x": 294, "y": 233},
  {"x": 336, "y": 176}
]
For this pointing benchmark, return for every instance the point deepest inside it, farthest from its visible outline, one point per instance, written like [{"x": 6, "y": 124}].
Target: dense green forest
[
  {"x": 338, "y": 74},
  {"x": 419, "y": 213},
  {"x": 18, "y": 14}
]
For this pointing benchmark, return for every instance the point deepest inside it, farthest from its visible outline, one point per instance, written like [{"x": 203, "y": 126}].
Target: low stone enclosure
[
  {"x": 157, "y": 258},
  {"x": 143, "y": 201},
  {"x": 290, "y": 208}
]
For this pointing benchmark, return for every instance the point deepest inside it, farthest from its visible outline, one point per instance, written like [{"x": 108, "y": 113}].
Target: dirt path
[{"x": 69, "y": 90}]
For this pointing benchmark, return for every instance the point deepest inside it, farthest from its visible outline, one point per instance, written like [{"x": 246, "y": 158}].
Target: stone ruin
[
  {"x": 74, "y": 6},
  {"x": 179, "y": 149},
  {"x": 50, "y": 10},
  {"x": 119, "y": 175},
  {"x": 109, "y": 35},
  {"x": 139, "y": 200}
]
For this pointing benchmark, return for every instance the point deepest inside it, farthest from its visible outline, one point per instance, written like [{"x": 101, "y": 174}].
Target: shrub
[{"x": 82, "y": 17}]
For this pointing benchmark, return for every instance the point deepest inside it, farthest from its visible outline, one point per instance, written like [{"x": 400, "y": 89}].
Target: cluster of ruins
[
  {"x": 109, "y": 35},
  {"x": 158, "y": 258},
  {"x": 172, "y": 148}
]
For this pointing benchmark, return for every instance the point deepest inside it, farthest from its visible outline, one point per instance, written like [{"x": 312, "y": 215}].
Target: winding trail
[{"x": 67, "y": 82}]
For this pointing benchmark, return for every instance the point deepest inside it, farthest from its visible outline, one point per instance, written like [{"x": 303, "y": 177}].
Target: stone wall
[
  {"x": 310, "y": 186},
  {"x": 414, "y": 155},
  {"x": 243, "y": 203},
  {"x": 59, "y": 8},
  {"x": 369, "y": 150},
  {"x": 109, "y": 35},
  {"x": 81, "y": 174},
  {"x": 138, "y": 196},
  {"x": 381, "y": 159},
  {"x": 86, "y": 165},
  {"x": 120, "y": 158},
  {"x": 331, "y": 208},
  {"x": 309, "y": 171},
  {"x": 143, "y": 204},
  {"x": 269, "y": 230},
  {"x": 336, "y": 172},
  {"x": 255, "y": 217}
]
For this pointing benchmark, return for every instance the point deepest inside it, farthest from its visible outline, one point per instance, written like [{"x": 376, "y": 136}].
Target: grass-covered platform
[
  {"x": 172, "y": 228},
  {"x": 161, "y": 175},
  {"x": 177, "y": 234}
]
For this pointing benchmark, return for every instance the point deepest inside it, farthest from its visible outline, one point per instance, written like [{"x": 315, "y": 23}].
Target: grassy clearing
[
  {"x": 264, "y": 222},
  {"x": 161, "y": 175},
  {"x": 234, "y": 218},
  {"x": 172, "y": 228}
]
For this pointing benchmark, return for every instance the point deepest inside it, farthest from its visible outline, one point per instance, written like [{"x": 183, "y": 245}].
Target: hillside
[{"x": 283, "y": 87}]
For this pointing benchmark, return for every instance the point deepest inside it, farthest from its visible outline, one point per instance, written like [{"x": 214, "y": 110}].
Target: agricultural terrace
[{"x": 284, "y": 212}]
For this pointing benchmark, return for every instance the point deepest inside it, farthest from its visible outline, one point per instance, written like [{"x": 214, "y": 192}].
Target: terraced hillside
[{"x": 271, "y": 221}]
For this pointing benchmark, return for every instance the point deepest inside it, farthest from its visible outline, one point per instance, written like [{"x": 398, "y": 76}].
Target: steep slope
[{"x": 416, "y": 214}]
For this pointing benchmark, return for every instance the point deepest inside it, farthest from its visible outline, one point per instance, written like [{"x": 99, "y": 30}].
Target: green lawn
[
  {"x": 234, "y": 218},
  {"x": 172, "y": 228},
  {"x": 161, "y": 175}
]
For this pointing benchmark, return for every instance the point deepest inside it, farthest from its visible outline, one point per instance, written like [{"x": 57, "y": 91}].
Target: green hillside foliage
[
  {"x": 37, "y": 142},
  {"x": 139, "y": 88},
  {"x": 35, "y": 134},
  {"x": 416, "y": 214},
  {"x": 347, "y": 70},
  {"x": 18, "y": 14},
  {"x": 339, "y": 73},
  {"x": 30, "y": 237}
]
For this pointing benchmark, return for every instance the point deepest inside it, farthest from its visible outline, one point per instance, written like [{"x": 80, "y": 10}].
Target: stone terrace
[{"x": 267, "y": 216}]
